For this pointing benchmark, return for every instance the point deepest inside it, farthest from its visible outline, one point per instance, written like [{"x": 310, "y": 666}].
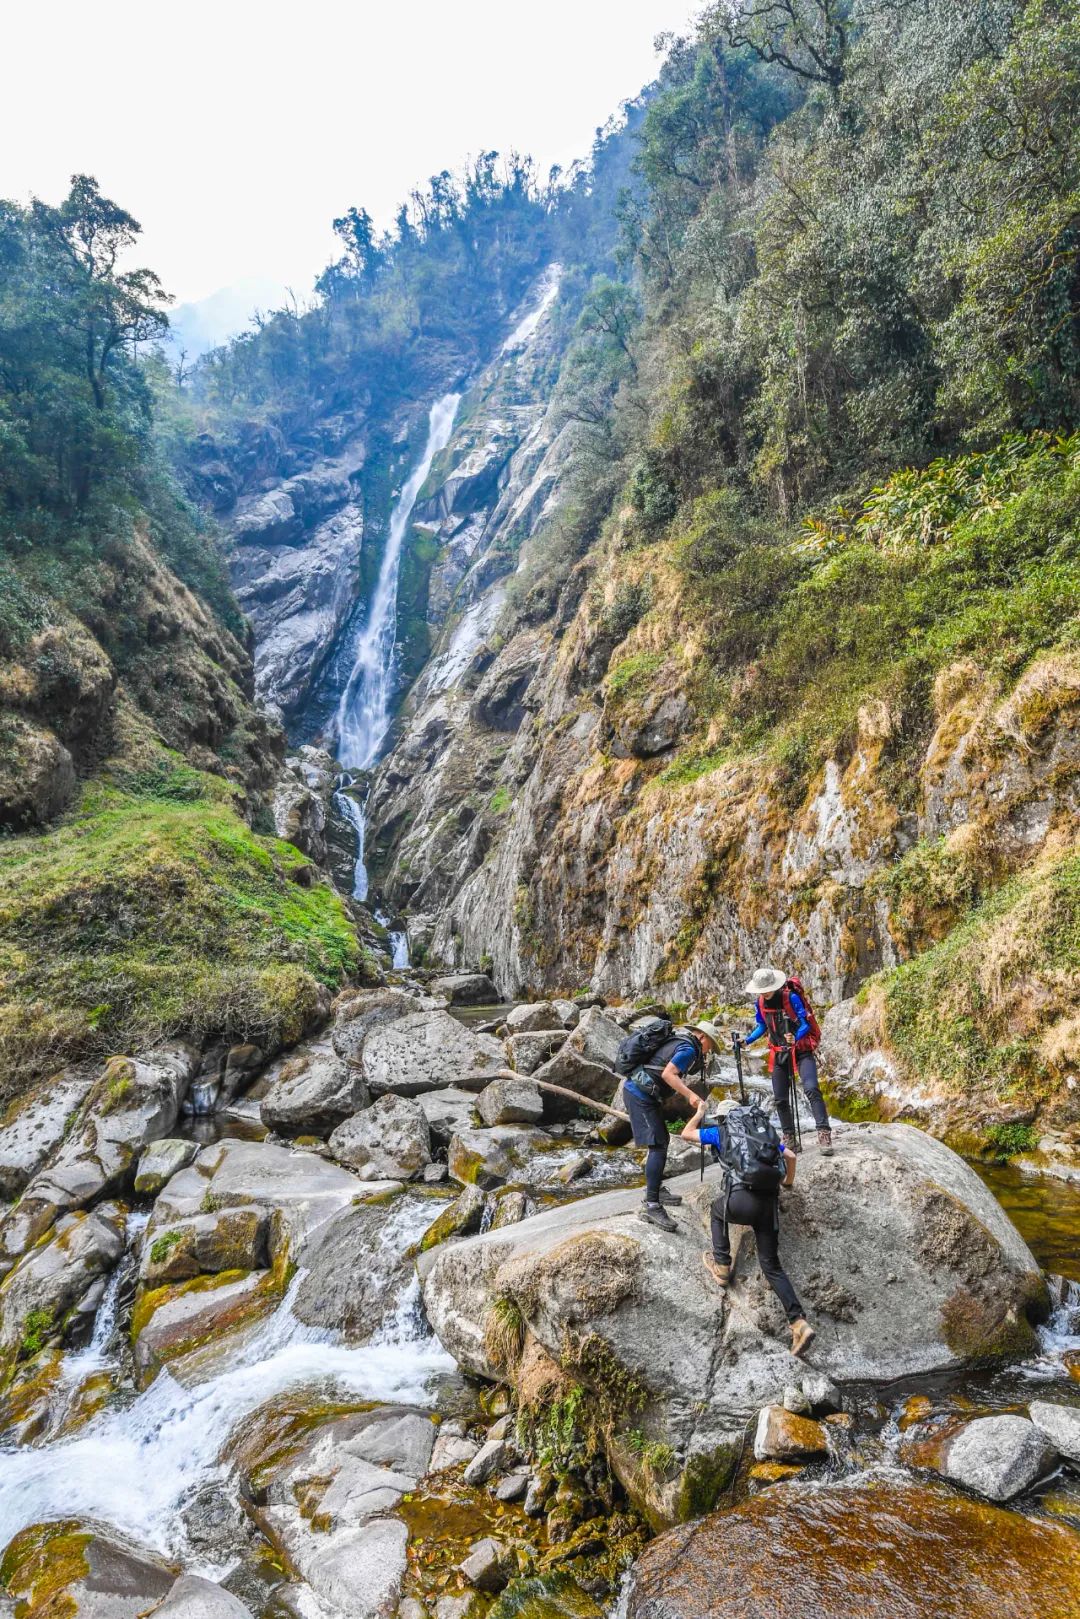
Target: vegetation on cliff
[{"x": 135, "y": 901}]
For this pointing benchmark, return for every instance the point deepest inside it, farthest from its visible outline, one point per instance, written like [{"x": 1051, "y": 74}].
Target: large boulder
[
  {"x": 533, "y": 1018},
  {"x": 326, "y": 1506},
  {"x": 490, "y": 1158},
  {"x": 426, "y": 1051},
  {"x": 312, "y": 1092},
  {"x": 879, "y": 1547},
  {"x": 466, "y": 989},
  {"x": 304, "y": 1189},
  {"x": 902, "y": 1257},
  {"x": 597, "y": 1038},
  {"x": 526, "y": 1052},
  {"x": 183, "y": 1319},
  {"x": 510, "y": 1101},
  {"x": 390, "y": 1141},
  {"x": 133, "y": 1102},
  {"x": 447, "y": 1112},
  {"x": 205, "y": 1245},
  {"x": 34, "y": 1125},
  {"x": 357, "y": 1014},
  {"x": 39, "y": 1292},
  {"x": 998, "y": 1456},
  {"x": 85, "y": 1573},
  {"x": 1060, "y": 1424}
]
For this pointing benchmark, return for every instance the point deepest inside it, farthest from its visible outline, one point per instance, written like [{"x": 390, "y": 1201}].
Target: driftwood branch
[{"x": 556, "y": 1090}]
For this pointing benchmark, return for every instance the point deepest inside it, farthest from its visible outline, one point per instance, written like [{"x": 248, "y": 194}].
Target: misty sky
[{"x": 236, "y": 129}]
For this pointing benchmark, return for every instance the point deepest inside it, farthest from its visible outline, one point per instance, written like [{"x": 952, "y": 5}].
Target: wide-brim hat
[
  {"x": 710, "y": 1031},
  {"x": 766, "y": 981}
]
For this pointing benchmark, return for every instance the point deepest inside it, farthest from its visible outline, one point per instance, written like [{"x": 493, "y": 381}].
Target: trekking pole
[
  {"x": 737, "y": 1043},
  {"x": 794, "y": 1094}
]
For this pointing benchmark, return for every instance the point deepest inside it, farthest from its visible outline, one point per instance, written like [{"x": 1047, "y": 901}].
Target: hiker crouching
[
  {"x": 785, "y": 1015},
  {"x": 756, "y": 1165},
  {"x": 656, "y": 1060}
]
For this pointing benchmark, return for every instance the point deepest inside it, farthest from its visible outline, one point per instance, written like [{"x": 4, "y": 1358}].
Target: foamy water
[{"x": 131, "y": 1466}]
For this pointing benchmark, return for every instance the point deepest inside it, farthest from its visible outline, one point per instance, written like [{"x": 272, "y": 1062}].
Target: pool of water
[{"x": 1044, "y": 1209}]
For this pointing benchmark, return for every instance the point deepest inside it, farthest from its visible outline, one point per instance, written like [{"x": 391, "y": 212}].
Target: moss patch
[{"x": 40, "y": 1564}]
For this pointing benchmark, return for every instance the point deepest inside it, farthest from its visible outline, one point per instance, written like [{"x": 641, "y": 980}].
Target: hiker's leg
[
  {"x": 809, "y": 1075},
  {"x": 655, "y": 1159},
  {"x": 767, "y": 1236},
  {"x": 721, "y": 1242},
  {"x": 650, "y": 1130},
  {"x": 781, "y": 1086}
]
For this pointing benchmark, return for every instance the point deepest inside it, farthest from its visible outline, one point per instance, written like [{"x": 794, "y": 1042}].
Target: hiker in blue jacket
[
  {"x": 645, "y": 1093},
  {"x": 760, "y": 1210}
]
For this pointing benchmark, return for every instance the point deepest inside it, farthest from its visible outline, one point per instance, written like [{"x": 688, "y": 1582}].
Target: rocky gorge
[
  {"x": 383, "y": 1335},
  {"x": 603, "y": 587}
]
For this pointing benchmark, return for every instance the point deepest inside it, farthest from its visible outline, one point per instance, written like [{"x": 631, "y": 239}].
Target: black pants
[
  {"x": 762, "y": 1214},
  {"x": 781, "y": 1085},
  {"x": 650, "y": 1130}
]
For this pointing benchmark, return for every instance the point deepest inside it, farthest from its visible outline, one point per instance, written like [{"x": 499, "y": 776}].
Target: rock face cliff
[{"x": 541, "y": 804}]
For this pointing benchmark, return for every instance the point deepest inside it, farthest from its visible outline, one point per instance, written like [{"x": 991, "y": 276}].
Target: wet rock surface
[{"x": 882, "y": 1549}]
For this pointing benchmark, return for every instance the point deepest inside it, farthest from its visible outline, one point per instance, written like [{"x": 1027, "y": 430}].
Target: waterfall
[
  {"x": 352, "y": 811},
  {"x": 363, "y": 714}
]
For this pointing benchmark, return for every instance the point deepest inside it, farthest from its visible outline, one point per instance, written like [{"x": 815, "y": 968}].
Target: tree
[{"x": 809, "y": 38}]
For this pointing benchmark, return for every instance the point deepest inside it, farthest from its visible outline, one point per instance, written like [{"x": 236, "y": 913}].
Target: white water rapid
[
  {"x": 132, "y": 1465},
  {"x": 363, "y": 714}
]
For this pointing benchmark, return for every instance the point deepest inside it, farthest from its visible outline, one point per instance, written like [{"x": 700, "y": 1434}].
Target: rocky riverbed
[{"x": 377, "y": 1334}]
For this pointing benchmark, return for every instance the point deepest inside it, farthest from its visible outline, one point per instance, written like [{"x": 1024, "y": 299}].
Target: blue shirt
[
  {"x": 684, "y": 1056},
  {"x": 802, "y": 1027}
]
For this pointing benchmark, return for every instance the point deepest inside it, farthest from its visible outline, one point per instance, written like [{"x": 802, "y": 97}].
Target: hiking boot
[
  {"x": 721, "y": 1274},
  {"x": 802, "y": 1336},
  {"x": 788, "y": 1143},
  {"x": 824, "y": 1141},
  {"x": 655, "y": 1215},
  {"x": 670, "y": 1200}
]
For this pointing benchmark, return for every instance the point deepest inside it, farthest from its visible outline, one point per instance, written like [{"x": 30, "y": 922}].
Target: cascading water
[
  {"x": 132, "y": 1466},
  {"x": 363, "y": 714}
]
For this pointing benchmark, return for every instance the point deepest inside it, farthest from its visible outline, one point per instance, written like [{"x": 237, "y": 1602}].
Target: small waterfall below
[
  {"x": 133, "y": 1464},
  {"x": 350, "y": 809}
]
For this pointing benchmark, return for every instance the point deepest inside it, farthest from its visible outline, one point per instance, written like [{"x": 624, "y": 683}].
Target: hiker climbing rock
[
  {"x": 756, "y": 1165},
  {"x": 785, "y": 1015},
  {"x": 656, "y": 1058}
]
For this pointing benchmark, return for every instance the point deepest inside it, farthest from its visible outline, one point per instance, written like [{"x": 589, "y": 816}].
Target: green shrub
[{"x": 1007, "y": 1140}]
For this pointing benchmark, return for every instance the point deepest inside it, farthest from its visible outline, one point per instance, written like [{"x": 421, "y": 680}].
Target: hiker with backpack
[
  {"x": 785, "y": 1016},
  {"x": 756, "y": 1165},
  {"x": 655, "y": 1060}
]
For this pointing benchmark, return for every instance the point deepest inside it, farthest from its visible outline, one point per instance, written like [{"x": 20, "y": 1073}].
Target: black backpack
[
  {"x": 638, "y": 1047},
  {"x": 751, "y": 1151}
]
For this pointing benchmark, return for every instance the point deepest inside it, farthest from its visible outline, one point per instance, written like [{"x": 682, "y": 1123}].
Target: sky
[{"x": 235, "y": 130}]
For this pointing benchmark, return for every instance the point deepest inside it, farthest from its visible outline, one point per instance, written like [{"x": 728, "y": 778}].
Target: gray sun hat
[
  {"x": 710, "y": 1031},
  {"x": 766, "y": 981}
]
